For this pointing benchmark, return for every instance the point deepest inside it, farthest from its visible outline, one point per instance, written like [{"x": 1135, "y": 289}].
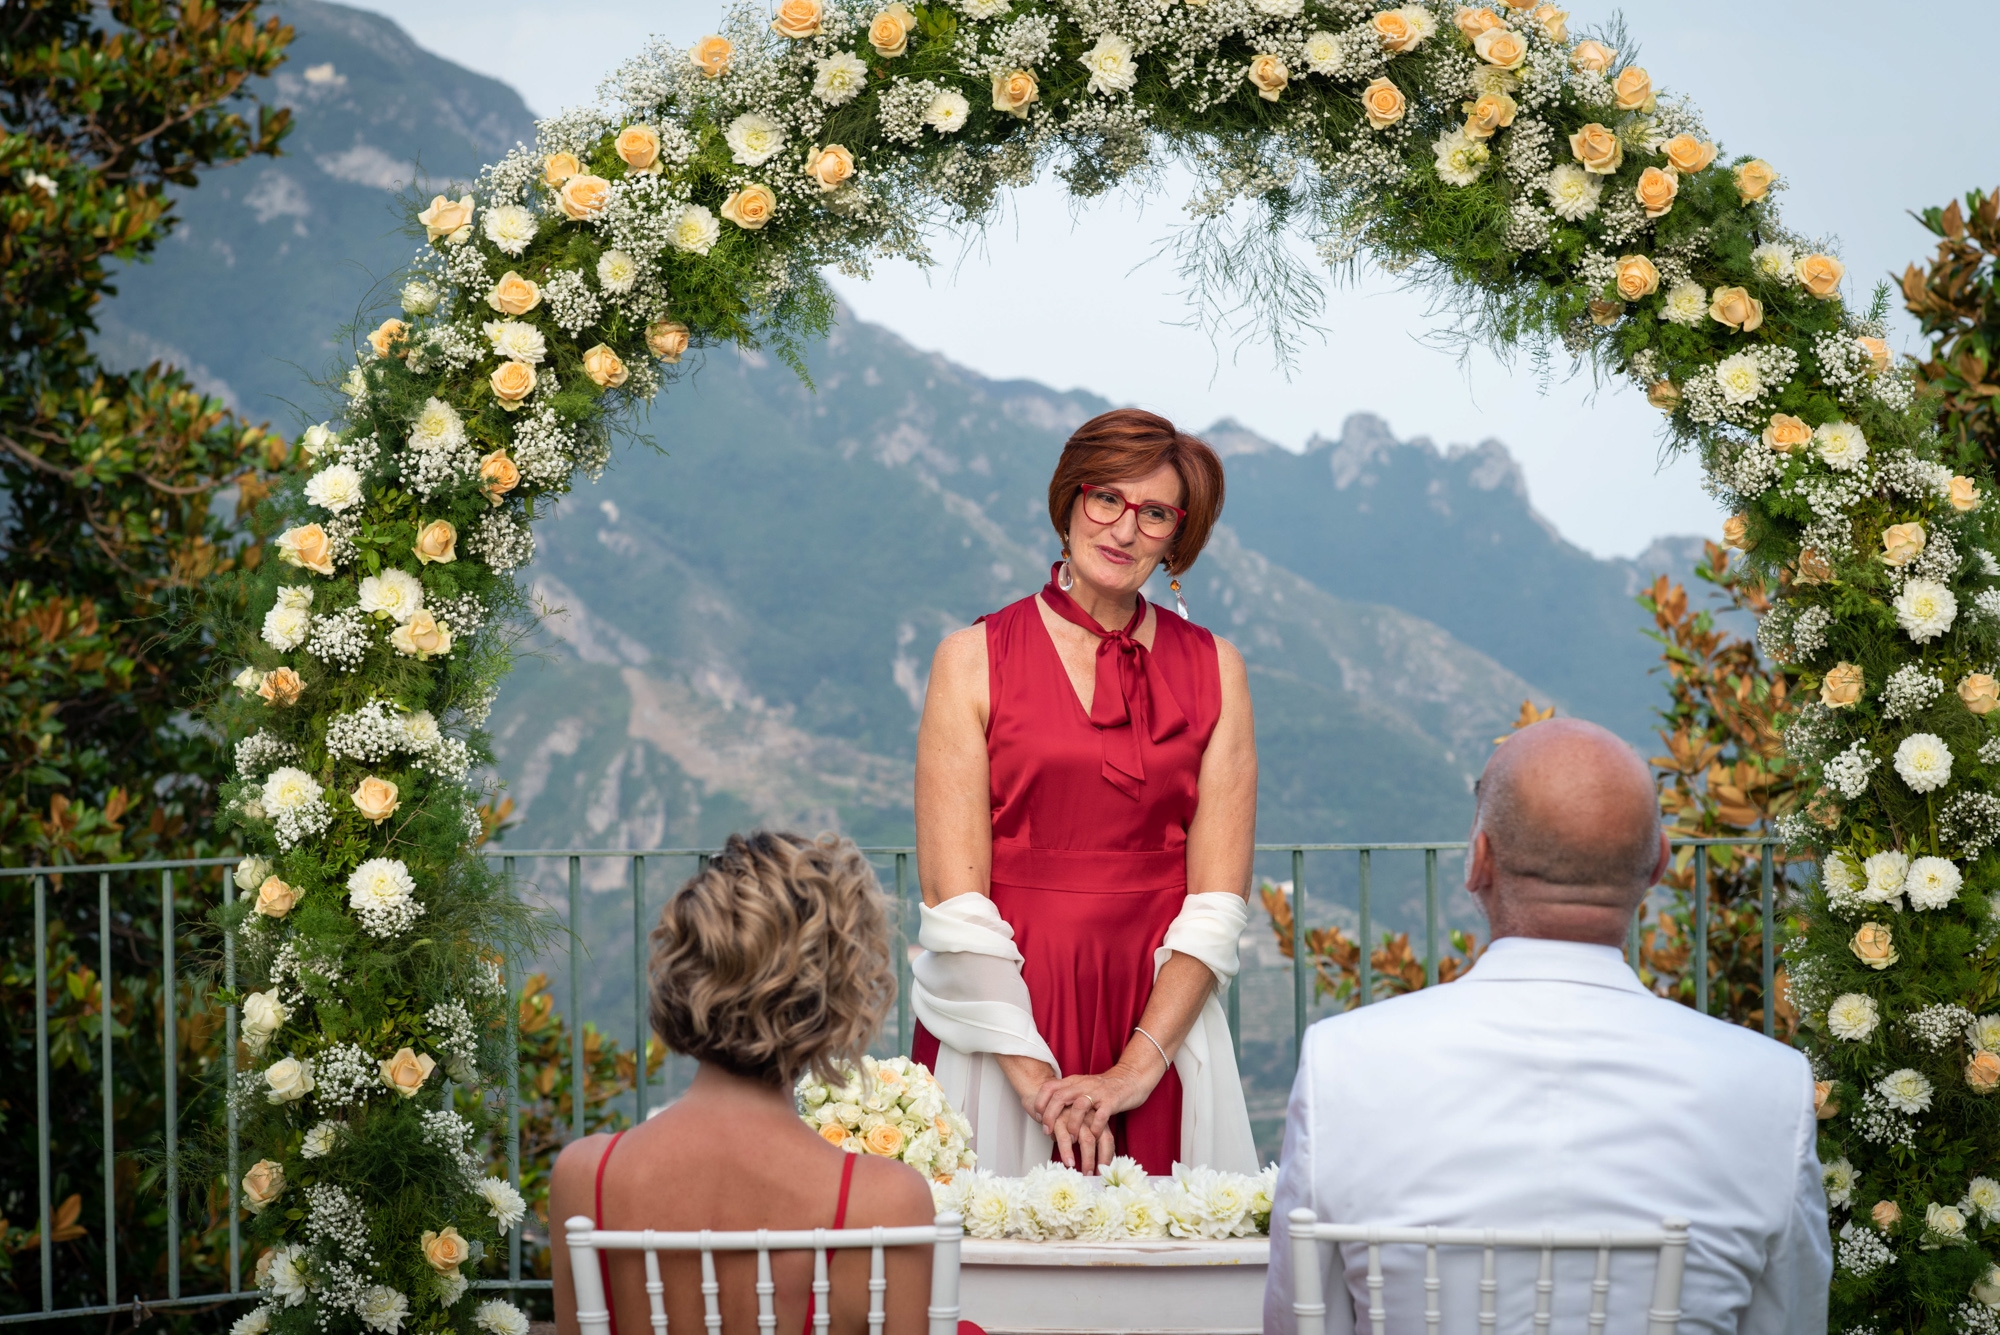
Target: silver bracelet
[{"x": 1156, "y": 1047}]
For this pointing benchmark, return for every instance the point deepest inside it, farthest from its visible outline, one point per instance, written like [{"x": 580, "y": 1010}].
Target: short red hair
[{"x": 1130, "y": 442}]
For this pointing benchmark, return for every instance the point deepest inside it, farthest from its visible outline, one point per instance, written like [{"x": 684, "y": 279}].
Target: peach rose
[
  {"x": 274, "y": 898},
  {"x": 1754, "y": 180},
  {"x": 1664, "y": 395},
  {"x": 1636, "y": 277},
  {"x": 1472, "y": 22},
  {"x": 1384, "y": 103},
  {"x": 1964, "y": 494},
  {"x": 498, "y": 475},
  {"x": 1886, "y": 1214},
  {"x": 1656, "y": 190},
  {"x": 831, "y": 167},
  {"x": 1786, "y": 433},
  {"x": 1982, "y": 1073},
  {"x": 1842, "y": 687},
  {"x": 604, "y": 367},
  {"x": 1736, "y": 308},
  {"x": 281, "y": 687},
  {"x": 1902, "y": 543},
  {"x": 264, "y": 1183},
  {"x": 422, "y": 636},
  {"x": 388, "y": 337},
  {"x": 376, "y": 799},
  {"x": 307, "y": 547},
  {"x": 450, "y": 219},
  {"x": 1268, "y": 75},
  {"x": 1394, "y": 29},
  {"x": 833, "y": 1133},
  {"x": 1688, "y": 154},
  {"x": 1633, "y": 88},
  {"x": 1502, "y": 48},
  {"x": 406, "y": 1071},
  {"x": 889, "y": 31},
  {"x": 559, "y": 167},
  {"x": 445, "y": 1252},
  {"x": 667, "y": 339},
  {"x": 798, "y": 19},
  {"x": 514, "y": 295},
  {"x": 1597, "y": 149},
  {"x": 1014, "y": 90},
  {"x": 436, "y": 541},
  {"x": 1736, "y": 532},
  {"x": 1492, "y": 113},
  {"x": 1812, "y": 568},
  {"x": 1603, "y": 313},
  {"x": 512, "y": 383},
  {"x": 885, "y": 1139},
  {"x": 638, "y": 147},
  {"x": 711, "y": 55},
  {"x": 1820, "y": 275},
  {"x": 1823, "y": 1105},
  {"x": 750, "y": 208},
  {"x": 1878, "y": 352},
  {"x": 583, "y": 196},
  {"x": 1980, "y": 692},
  {"x": 1593, "y": 57},
  {"x": 1873, "y": 946},
  {"x": 1553, "y": 22}
]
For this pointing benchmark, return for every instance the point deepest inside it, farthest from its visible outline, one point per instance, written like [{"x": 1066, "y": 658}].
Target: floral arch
[{"x": 1540, "y": 178}]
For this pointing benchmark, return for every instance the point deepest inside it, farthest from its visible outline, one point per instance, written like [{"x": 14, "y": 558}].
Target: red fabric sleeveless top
[{"x": 1089, "y": 863}]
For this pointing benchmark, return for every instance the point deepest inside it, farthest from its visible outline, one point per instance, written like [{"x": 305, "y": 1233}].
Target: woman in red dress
[{"x": 1086, "y": 809}]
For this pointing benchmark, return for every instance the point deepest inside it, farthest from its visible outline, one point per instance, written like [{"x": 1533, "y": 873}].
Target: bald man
[{"x": 1548, "y": 1088}]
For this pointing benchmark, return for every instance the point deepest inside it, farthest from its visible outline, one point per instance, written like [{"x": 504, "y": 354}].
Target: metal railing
[{"x": 639, "y": 861}]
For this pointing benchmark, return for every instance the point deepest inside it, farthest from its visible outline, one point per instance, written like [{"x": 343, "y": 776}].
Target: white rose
[
  {"x": 753, "y": 139},
  {"x": 315, "y": 439},
  {"x": 289, "y": 1079},
  {"x": 252, "y": 871},
  {"x": 420, "y": 297},
  {"x": 1984, "y": 1033},
  {"x": 510, "y": 227},
  {"x": 695, "y": 230},
  {"x": 382, "y": 1308},
  {"x": 616, "y": 271},
  {"x": 263, "y": 1016},
  {"x": 1884, "y": 875},
  {"x": 1112, "y": 69},
  {"x": 1925, "y": 609},
  {"x": 1907, "y": 1090},
  {"x": 394, "y": 595},
  {"x": 1924, "y": 762},
  {"x": 1987, "y": 1290},
  {"x": 1944, "y": 1222},
  {"x": 247, "y": 681},
  {"x": 320, "y": 1140},
  {"x": 285, "y": 628},
  {"x": 1853, "y": 1017},
  {"x": 517, "y": 341},
  {"x": 1838, "y": 1178},
  {"x": 500, "y": 1318}
]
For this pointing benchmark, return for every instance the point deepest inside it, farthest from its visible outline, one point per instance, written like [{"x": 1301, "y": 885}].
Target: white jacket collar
[{"x": 1518, "y": 959}]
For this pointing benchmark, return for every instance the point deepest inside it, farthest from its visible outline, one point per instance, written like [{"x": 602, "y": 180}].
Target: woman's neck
[
  {"x": 1113, "y": 611},
  {"x": 743, "y": 1094}
]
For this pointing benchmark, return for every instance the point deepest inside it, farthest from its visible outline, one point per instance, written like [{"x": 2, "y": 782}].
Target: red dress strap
[
  {"x": 597, "y": 1217},
  {"x": 839, "y": 1221}
]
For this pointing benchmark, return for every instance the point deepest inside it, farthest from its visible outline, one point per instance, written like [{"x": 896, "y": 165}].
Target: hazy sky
[{"x": 1866, "y": 110}]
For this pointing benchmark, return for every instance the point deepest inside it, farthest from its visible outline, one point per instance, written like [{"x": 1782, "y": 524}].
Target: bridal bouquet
[
  {"x": 893, "y": 1108},
  {"x": 1054, "y": 1203}
]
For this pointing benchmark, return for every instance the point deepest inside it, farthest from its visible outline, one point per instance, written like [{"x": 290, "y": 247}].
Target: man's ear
[
  {"x": 1479, "y": 867},
  {"x": 1660, "y": 863}
]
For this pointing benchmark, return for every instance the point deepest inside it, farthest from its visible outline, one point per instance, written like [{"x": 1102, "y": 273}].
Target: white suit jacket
[{"x": 1548, "y": 1088}]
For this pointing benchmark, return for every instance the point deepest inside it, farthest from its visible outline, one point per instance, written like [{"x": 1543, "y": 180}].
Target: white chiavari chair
[
  {"x": 1668, "y": 1243},
  {"x": 593, "y": 1313}
]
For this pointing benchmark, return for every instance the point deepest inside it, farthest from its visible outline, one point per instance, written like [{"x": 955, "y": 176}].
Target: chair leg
[{"x": 1308, "y": 1294}]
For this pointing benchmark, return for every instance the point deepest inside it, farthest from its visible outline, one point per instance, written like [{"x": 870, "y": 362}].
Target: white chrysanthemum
[
  {"x": 616, "y": 271},
  {"x": 1123, "y": 1171},
  {"x": 438, "y": 427},
  {"x": 1059, "y": 1197},
  {"x": 1907, "y": 1090},
  {"x": 1112, "y": 69},
  {"x": 1933, "y": 883},
  {"x": 840, "y": 78},
  {"x": 289, "y": 788},
  {"x": 1324, "y": 54},
  {"x": 1982, "y": 1196},
  {"x": 316, "y": 438},
  {"x": 1925, "y": 609},
  {"x": 337, "y": 488},
  {"x": 421, "y": 297},
  {"x": 1687, "y": 301},
  {"x": 355, "y": 385},
  {"x": 451, "y": 1287},
  {"x": 500, "y": 1318},
  {"x": 396, "y": 595},
  {"x": 382, "y": 1308},
  {"x": 1278, "y": 9},
  {"x": 695, "y": 230},
  {"x": 1984, "y": 1033},
  {"x": 421, "y": 730},
  {"x": 502, "y": 1201},
  {"x": 1461, "y": 159},
  {"x": 256, "y": 1321},
  {"x": 1740, "y": 378},
  {"x": 1574, "y": 193},
  {"x": 1924, "y": 762},
  {"x": 287, "y": 1277},
  {"x": 298, "y": 596},
  {"x": 947, "y": 112},
  {"x": 753, "y": 139},
  {"x": 285, "y": 628},
  {"x": 1839, "y": 1178},
  {"x": 1946, "y": 1223},
  {"x": 1421, "y": 21},
  {"x": 1853, "y": 1016},
  {"x": 1774, "y": 260},
  {"x": 319, "y": 1141},
  {"x": 1104, "y": 1216},
  {"x": 517, "y": 341},
  {"x": 1884, "y": 875},
  {"x": 990, "y": 1207},
  {"x": 1841, "y": 444},
  {"x": 510, "y": 227},
  {"x": 380, "y": 887},
  {"x": 985, "y": 9}
]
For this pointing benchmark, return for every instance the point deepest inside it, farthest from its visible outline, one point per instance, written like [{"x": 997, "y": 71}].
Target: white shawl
[{"x": 970, "y": 995}]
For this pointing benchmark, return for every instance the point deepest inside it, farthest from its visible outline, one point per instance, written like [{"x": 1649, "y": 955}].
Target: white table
[{"x": 1126, "y": 1288}]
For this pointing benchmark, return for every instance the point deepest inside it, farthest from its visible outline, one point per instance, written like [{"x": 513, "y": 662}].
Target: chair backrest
[
  {"x": 1668, "y": 1242},
  {"x": 593, "y": 1305}
]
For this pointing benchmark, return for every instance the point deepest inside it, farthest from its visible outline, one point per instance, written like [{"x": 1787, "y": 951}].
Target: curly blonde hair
[{"x": 775, "y": 958}]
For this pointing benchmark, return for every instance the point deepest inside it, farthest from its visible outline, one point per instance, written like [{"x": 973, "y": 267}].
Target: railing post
[
  {"x": 229, "y": 1040},
  {"x": 47, "y": 1249},
  {"x": 171, "y": 1033},
  {"x": 904, "y": 1033},
  {"x": 1430, "y": 917},
  {"x": 1367, "y": 930},
  {"x": 639, "y": 988},
  {"x": 577, "y": 1088},
  {"x": 104, "y": 1092},
  {"x": 513, "y": 1088},
  {"x": 1301, "y": 969},
  {"x": 1769, "y": 897},
  {"x": 1700, "y": 960}
]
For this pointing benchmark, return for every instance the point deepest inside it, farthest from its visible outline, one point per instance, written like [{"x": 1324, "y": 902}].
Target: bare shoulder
[
  {"x": 959, "y": 666},
  {"x": 1229, "y": 659},
  {"x": 894, "y": 1194}
]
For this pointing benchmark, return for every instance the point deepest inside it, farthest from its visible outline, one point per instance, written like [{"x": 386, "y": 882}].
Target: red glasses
[{"x": 1157, "y": 519}]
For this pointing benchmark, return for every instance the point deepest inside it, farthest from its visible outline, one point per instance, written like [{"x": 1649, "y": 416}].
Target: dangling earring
[
  {"x": 1180, "y": 603},
  {"x": 1064, "y": 580}
]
